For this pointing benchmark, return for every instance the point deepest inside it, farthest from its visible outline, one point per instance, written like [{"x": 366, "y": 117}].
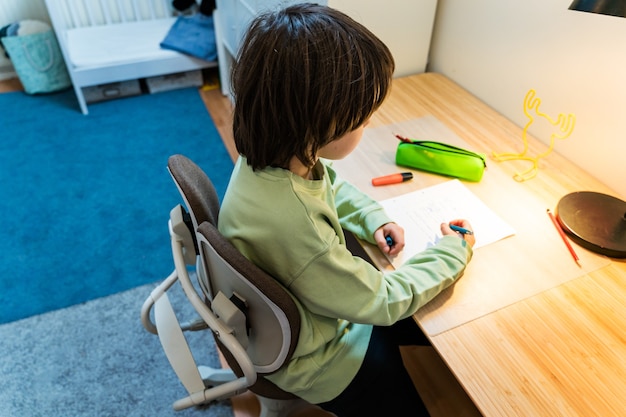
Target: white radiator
[{"x": 14, "y": 11}]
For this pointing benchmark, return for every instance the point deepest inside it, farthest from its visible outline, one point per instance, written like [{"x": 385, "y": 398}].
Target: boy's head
[{"x": 305, "y": 76}]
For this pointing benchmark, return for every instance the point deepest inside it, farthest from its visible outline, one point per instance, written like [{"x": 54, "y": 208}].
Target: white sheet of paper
[{"x": 421, "y": 212}]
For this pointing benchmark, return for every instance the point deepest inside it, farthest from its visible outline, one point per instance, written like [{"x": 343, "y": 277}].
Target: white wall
[
  {"x": 404, "y": 25},
  {"x": 576, "y": 62}
]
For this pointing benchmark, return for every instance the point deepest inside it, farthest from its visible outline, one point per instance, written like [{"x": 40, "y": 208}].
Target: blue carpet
[{"x": 85, "y": 200}]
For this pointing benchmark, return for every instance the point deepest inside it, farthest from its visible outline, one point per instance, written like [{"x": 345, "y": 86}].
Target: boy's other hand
[{"x": 390, "y": 238}]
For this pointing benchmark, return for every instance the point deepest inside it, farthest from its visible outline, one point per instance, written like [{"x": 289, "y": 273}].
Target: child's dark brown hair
[{"x": 305, "y": 76}]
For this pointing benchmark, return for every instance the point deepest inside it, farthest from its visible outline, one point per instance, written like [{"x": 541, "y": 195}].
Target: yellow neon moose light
[{"x": 565, "y": 127}]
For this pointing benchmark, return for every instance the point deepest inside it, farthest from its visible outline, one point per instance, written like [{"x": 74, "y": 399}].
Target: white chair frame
[{"x": 205, "y": 384}]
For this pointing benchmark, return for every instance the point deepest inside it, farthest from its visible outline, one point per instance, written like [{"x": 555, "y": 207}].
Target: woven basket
[{"x": 38, "y": 62}]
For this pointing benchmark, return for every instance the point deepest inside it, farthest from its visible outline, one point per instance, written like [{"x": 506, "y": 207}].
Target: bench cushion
[{"x": 119, "y": 43}]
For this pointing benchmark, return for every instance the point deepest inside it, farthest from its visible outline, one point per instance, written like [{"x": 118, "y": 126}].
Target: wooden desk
[{"x": 558, "y": 351}]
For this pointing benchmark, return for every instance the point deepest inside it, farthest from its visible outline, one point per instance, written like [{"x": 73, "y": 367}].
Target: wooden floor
[
  {"x": 12, "y": 84},
  {"x": 440, "y": 390}
]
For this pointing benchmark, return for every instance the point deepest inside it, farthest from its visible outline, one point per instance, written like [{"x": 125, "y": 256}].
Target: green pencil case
[{"x": 441, "y": 158}]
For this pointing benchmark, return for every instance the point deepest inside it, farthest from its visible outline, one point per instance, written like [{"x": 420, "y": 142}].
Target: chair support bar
[{"x": 154, "y": 296}]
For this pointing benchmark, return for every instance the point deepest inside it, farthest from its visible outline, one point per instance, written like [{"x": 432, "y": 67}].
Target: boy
[{"x": 306, "y": 81}]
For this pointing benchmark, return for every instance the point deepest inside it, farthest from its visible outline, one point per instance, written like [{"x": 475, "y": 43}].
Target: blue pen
[
  {"x": 461, "y": 230},
  {"x": 389, "y": 241}
]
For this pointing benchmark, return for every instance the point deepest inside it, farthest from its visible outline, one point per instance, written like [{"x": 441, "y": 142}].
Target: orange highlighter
[{"x": 392, "y": 179}]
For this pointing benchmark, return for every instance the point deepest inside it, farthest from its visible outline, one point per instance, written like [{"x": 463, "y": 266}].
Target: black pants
[{"x": 382, "y": 387}]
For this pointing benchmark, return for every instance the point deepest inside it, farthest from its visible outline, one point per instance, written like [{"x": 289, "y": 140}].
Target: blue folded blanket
[{"x": 193, "y": 35}]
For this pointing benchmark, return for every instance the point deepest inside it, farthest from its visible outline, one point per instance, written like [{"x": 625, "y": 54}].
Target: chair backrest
[
  {"x": 201, "y": 200},
  {"x": 273, "y": 320},
  {"x": 272, "y": 316},
  {"x": 196, "y": 189}
]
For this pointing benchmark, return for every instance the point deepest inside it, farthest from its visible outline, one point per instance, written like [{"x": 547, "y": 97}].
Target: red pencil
[
  {"x": 404, "y": 139},
  {"x": 562, "y": 233}
]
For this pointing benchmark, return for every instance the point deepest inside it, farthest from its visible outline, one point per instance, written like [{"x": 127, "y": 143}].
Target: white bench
[{"x": 106, "y": 41}]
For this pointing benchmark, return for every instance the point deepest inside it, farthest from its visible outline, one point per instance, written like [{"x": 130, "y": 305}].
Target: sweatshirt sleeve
[
  {"x": 360, "y": 293},
  {"x": 357, "y": 212}
]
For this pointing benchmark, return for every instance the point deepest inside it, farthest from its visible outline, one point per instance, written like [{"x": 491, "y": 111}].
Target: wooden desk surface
[{"x": 557, "y": 351}]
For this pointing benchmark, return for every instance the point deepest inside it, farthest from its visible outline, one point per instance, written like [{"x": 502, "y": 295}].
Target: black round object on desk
[{"x": 595, "y": 221}]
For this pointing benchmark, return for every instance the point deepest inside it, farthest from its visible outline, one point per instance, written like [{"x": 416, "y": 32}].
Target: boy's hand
[
  {"x": 390, "y": 238},
  {"x": 469, "y": 238}
]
